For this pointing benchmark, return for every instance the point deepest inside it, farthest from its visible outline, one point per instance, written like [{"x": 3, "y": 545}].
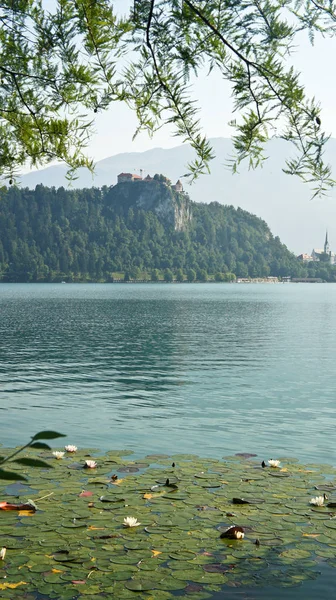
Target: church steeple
[{"x": 326, "y": 244}]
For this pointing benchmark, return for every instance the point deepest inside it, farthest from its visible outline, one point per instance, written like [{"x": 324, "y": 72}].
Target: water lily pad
[
  {"x": 158, "y": 530},
  {"x": 140, "y": 585},
  {"x": 245, "y": 454},
  {"x": 53, "y": 578},
  {"x": 170, "y": 584},
  {"x": 72, "y": 536},
  {"x": 187, "y": 574},
  {"x": 157, "y": 456},
  {"x": 41, "y": 568},
  {"x": 295, "y": 553},
  {"x": 183, "y": 555},
  {"x": 125, "y": 558}
]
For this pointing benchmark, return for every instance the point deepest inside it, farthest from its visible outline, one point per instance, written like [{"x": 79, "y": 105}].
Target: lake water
[{"x": 211, "y": 369}]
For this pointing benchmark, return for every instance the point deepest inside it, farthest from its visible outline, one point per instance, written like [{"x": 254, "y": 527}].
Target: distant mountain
[{"x": 282, "y": 201}]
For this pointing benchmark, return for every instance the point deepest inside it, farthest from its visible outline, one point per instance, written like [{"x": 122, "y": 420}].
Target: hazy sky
[{"x": 116, "y": 127}]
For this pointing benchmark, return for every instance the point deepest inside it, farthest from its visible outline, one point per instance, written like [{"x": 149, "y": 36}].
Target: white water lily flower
[
  {"x": 58, "y": 454},
  {"x": 70, "y": 448},
  {"x": 131, "y": 522},
  {"x": 274, "y": 463},
  {"x": 3, "y": 553},
  {"x": 90, "y": 464},
  {"x": 317, "y": 501}
]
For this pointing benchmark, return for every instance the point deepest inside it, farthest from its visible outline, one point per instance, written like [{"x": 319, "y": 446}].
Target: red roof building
[{"x": 124, "y": 177}]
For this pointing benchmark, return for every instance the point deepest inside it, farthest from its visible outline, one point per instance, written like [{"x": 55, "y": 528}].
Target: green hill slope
[{"x": 132, "y": 228}]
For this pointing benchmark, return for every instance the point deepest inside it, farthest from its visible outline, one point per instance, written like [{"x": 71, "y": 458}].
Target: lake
[{"x": 212, "y": 369}]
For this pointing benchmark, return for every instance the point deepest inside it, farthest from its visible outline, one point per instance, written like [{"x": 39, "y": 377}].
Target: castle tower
[
  {"x": 326, "y": 244},
  {"x": 178, "y": 187}
]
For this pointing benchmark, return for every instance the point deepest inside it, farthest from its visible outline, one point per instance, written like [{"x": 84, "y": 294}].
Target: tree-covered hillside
[{"x": 93, "y": 234}]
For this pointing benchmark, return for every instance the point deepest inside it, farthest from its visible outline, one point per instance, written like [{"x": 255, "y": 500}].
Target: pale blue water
[{"x": 210, "y": 369}]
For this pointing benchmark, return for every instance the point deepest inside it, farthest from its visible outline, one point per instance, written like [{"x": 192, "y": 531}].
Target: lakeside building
[
  {"x": 305, "y": 257},
  {"x": 269, "y": 279},
  {"x": 325, "y": 255},
  {"x": 320, "y": 254}
]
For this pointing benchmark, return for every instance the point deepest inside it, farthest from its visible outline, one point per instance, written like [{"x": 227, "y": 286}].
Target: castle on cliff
[{"x": 131, "y": 177}]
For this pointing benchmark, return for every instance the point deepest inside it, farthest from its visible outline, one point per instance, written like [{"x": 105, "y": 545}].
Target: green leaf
[
  {"x": 40, "y": 446},
  {"x": 48, "y": 435},
  {"x": 9, "y": 475},
  {"x": 33, "y": 462}
]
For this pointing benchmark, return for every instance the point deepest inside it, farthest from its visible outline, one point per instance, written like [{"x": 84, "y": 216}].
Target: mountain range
[{"x": 283, "y": 201}]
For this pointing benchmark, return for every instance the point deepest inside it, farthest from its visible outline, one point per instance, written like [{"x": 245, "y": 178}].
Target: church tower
[{"x": 326, "y": 244}]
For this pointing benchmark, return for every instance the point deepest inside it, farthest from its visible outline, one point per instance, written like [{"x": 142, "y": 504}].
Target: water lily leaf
[
  {"x": 213, "y": 578},
  {"x": 164, "y": 481},
  {"x": 170, "y": 584},
  {"x": 295, "y": 553},
  {"x": 75, "y": 466},
  {"x": 53, "y": 578},
  {"x": 183, "y": 555},
  {"x": 155, "y": 456},
  {"x": 187, "y": 574},
  {"x": 245, "y": 454},
  {"x": 63, "y": 556},
  {"x": 90, "y": 590},
  {"x": 216, "y": 568},
  {"x": 185, "y": 456},
  {"x": 137, "y": 545},
  {"x": 157, "y": 530},
  {"x": 125, "y": 558},
  {"x": 174, "y": 496},
  {"x": 123, "y": 572},
  {"x": 284, "y": 523},
  {"x": 140, "y": 585},
  {"x": 75, "y": 524},
  {"x": 112, "y": 498},
  {"x": 151, "y": 564},
  {"x": 41, "y": 568},
  {"x": 131, "y": 469},
  {"x": 330, "y": 524}
]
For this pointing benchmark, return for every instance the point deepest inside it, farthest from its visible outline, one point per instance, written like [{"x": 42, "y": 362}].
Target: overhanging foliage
[{"x": 60, "y": 66}]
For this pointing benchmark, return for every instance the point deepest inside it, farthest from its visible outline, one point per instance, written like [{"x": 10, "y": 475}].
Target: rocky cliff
[{"x": 171, "y": 207}]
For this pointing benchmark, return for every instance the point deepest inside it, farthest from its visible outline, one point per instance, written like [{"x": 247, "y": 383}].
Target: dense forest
[{"x": 50, "y": 234}]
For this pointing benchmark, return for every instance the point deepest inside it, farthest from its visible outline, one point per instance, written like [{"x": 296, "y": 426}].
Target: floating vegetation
[{"x": 189, "y": 528}]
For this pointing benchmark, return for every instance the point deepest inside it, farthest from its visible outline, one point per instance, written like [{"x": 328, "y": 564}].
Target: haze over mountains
[{"x": 281, "y": 200}]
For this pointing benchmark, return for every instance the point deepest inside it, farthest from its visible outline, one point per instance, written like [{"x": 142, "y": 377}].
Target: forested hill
[{"x": 131, "y": 231}]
